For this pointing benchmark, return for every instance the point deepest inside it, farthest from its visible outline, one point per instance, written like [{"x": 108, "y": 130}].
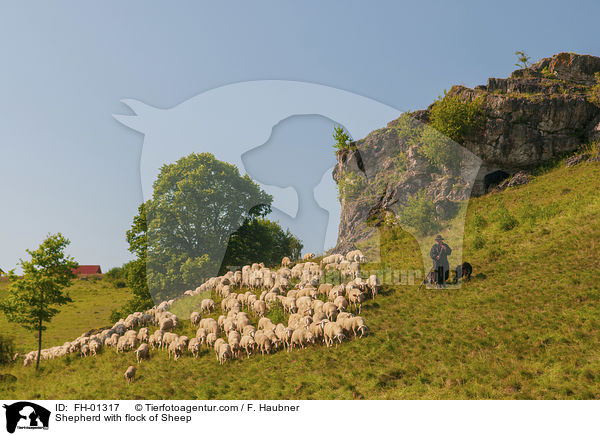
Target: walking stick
[{"x": 423, "y": 282}]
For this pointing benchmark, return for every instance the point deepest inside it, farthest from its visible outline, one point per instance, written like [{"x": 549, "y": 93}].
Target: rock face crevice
[{"x": 537, "y": 114}]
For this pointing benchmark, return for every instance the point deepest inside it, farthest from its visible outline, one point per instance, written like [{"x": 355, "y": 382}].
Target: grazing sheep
[
  {"x": 194, "y": 346},
  {"x": 234, "y": 338},
  {"x": 317, "y": 331},
  {"x": 85, "y": 350},
  {"x": 248, "y": 344},
  {"x": 359, "y": 325},
  {"x": 294, "y": 320},
  {"x": 284, "y": 334},
  {"x": 324, "y": 289},
  {"x": 112, "y": 341},
  {"x": 94, "y": 347},
  {"x": 142, "y": 335},
  {"x": 343, "y": 315},
  {"x": 319, "y": 316},
  {"x": 301, "y": 337},
  {"x": 373, "y": 285},
  {"x": 341, "y": 303},
  {"x": 207, "y": 305},
  {"x": 168, "y": 338},
  {"x": 249, "y": 330},
  {"x": 286, "y": 262},
  {"x": 356, "y": 298},
  {"x": 259, "y": 307},
  {"x": 195, "y": 319},
  {"x": 211, "y": 339},
  {"x": 217, "y": 346},
  {"x": 126, "y": 343},
  {"x": 176, "y": 349},
  {"x": 155, "y": 340},
  {"x": 289, "y": 304},
  {"x": 330, "y": 310},
  {"x": 143, "y": 352},
  {"x": 308, "y": 256},
  {"x": 224, "y": 353},
  {"x": 130, "y": 374},
  {"x": 346, "y": 325},
  {"x": 270, "y": 333},
  {"x": 210, "y": 325},
  {"x": 265, "y": 323},
  {"x": 228, "y": 325},
  {"x": 201, "y": 335},
  {"x": 166, "y": 324},
  {"x": 331, "y": 332},
  {"x": 263, "y": 342},
  {"x": 355, "y": 256}
]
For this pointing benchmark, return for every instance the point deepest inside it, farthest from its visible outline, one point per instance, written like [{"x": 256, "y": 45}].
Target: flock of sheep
[{"x": 319, "y": 312}]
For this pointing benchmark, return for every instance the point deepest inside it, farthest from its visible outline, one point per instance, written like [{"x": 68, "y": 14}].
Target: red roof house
[{"x": 87, "y": 270}]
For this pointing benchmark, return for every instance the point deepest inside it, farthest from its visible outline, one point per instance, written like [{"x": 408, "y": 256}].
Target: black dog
[{"x": 463, "y": 271}]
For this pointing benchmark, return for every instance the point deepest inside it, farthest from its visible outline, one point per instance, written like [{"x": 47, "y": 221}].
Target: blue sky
[{"x": 67, "y": 165}]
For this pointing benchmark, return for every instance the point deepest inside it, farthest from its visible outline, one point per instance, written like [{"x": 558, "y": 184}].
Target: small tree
[
  {"x": 341, "y": 137},
  {"x": 523, "y": 59},
  {"x": 32, "y": 300}
]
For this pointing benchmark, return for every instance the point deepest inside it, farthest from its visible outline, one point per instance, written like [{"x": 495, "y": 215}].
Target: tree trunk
[{"x": 37, "y": 362}]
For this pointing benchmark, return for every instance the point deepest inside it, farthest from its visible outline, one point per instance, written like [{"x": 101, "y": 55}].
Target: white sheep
[
  {"x": 331, "y": 332},
  {"x": 207, "y": 305},
  {"x": 374, "y": 285},
  {"x": 130, "y": 374},
  {"x": 356, "y": 297},
  {"x": 224, "y": 353},
  {"x": 263, "y": 342},
  {"x": 248, "y": 344},
  {"x": 142, "y": 335},
  {"x": 195, "y": 319},
  {"x": 194, "y": 346},
  {"x": 143, "y": 352},
  {"x": 301, "y": 337},
  {"x": 358, "y": 325}
]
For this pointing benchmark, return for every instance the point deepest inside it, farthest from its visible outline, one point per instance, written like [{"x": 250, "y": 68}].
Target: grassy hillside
[
  {"x": 92, "y": 303},
  {"x": 526, "y": 326}
]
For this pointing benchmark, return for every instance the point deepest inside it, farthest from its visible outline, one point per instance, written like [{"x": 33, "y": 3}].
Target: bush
[
  {"x": 350, "y": 185},
  {"x": 439, "y": 150},
  {"x": 115, "y": 274},
  {"x": 594, "y": 92},
  {"x": 419, "y": 213},
  {"x": 341, "y": 138},
  {"x": 7, "y": 350},
  {"x": 409, "y": 130},
  {"x": 456, "y": 118},
  {"x": 115, "y": 315}
]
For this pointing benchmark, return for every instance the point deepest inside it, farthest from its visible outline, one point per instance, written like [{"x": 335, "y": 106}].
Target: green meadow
[{"x": 527, "y": 326}]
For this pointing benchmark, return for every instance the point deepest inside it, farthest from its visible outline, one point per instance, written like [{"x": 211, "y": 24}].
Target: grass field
[
  {"x": 91, "y": 307},
  {"x": 526, "y": 326}
]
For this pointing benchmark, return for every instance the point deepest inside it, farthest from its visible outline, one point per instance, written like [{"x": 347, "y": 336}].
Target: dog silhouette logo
[{"x": 26, "y": 415}]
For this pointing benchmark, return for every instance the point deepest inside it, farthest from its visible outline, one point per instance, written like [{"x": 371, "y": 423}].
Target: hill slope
[
  {"x": 92, "y": 304},
  {"x": 526, "y": 326}
]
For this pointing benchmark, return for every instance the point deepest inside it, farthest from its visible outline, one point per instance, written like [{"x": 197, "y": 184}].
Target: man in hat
[{"x": 439, "y": 254}]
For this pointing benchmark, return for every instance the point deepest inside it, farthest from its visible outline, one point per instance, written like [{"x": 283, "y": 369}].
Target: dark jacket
[{"x": 443, "y": 251}]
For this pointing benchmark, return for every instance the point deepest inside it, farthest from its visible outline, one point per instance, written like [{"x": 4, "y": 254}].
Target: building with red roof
[{"x": 87, "y": 270}]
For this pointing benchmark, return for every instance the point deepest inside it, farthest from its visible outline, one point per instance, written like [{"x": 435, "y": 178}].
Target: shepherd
[{"x": 439, "y": 254}]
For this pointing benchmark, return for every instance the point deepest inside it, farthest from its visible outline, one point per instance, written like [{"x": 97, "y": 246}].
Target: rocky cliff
[{"x": 536, "y": 114}]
